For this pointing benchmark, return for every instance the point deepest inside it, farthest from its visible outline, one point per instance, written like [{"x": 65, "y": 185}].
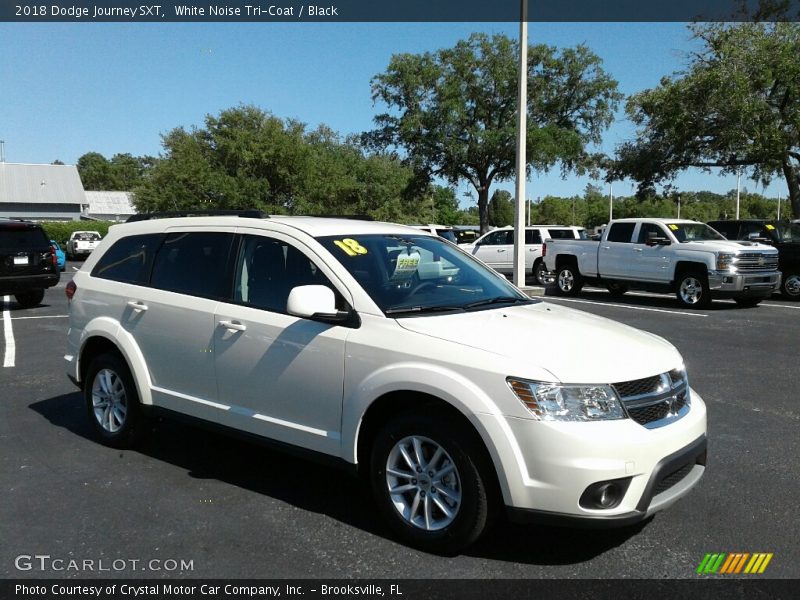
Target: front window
[
  {"x": 787, "y": 232},
  {"x": 693, "y": 232},
  {"x": 408, "y": 275}
]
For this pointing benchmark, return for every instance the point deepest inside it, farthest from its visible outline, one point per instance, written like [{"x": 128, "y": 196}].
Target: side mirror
[
  {"x": 654, "y": 240},
  {"x": 314, "y": 302}
]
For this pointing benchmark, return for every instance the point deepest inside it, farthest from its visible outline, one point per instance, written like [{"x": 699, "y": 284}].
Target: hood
[
  {"x": 726, "y": 246},
  {"x": 573, "y": 346}
]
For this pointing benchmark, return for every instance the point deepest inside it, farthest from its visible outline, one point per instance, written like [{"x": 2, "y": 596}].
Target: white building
[{"x": 41, "y": 192}]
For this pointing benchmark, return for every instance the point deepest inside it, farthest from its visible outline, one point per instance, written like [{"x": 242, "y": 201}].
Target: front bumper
[
  {"x": 546, "y": 467},
  {"x": 759, "y": 283}
]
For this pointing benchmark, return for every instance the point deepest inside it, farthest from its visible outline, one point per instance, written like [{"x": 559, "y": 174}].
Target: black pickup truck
[
  {"x": 785, "y": 236},
  {"x": 27, "y": 262}
]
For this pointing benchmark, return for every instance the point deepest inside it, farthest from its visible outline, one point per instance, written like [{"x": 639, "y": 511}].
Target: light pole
[
  {"x": 738, "y": 178},
  {"x": 779, "y": 208},
  {"x": 522, "y": 128},
  {"x": 610, "y": 202}
]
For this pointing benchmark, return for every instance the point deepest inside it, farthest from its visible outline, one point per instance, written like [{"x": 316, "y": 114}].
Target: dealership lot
[{"x": 236, "y": 510}]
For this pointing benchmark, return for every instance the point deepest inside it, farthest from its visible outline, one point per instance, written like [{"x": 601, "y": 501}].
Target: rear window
[
  {"x": 562, "y": 234},
  {"x": 22, "y": 237},
  {"x": 128, "y": 260},
  {"x": 87, "y": 236}
]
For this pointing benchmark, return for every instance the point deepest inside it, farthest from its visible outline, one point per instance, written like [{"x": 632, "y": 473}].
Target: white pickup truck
[
  {"x": 82, "y": 243},
  {"x": 666, "y": 255}
]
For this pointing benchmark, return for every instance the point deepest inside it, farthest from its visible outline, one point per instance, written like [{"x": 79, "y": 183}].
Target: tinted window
[
  {"x": 561, "y": 234},
  {"x": 499, "y": 238},
  {"x": 267, "y": 271},
  {"x": 22, "y": 237},
  {"x": 194, "y": 263},
  {"x": 128, "y": 260},
  {"x": 621, "y": 232},
  {"x": 646, "y": 229},
  {"x": 729, "y": 230},
  {"x": 532, "y": 237}
]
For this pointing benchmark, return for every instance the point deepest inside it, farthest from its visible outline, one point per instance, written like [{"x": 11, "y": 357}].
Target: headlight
[
  {"x": 556, "y": 402},
  {"x": 725, "y": 261}
]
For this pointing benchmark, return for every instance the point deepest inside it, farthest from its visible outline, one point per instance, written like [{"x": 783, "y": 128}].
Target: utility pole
[
  {"x": 738, "y": 178},
  {"x": 679, "y": 206},
  {"x": 779, "y": 207},
  {"x": 610, "y": 202}
]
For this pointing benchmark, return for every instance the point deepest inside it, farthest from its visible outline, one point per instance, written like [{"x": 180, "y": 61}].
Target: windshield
[
  {"x": 693, "y": 232},
  {"x": 410, "y": 275}
]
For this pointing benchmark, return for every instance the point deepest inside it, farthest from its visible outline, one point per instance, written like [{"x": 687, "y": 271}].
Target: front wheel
[
  {"x": 692, "y": 290},
  {"x": 790, "y": 287},
  {"x": 112, "y": 402},
  {"x": 539, "y": 271},
  {"x": 568, "y": 281},
  {"x": 29, "y": 299},
  {"x": 430, "y": 483}
]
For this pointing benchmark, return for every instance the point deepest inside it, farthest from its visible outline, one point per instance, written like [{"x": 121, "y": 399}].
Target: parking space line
[
  {"x": 8, "y": 331},
  {"x": 780, "y": 306},
  {"x": 671, "y": 312},
  {"x": 41, "y": 317}
]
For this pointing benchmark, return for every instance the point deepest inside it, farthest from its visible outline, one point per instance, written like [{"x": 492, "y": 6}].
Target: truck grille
[
  {"x": 756, "y": 261},
  {"x": 655, "y": 401}
]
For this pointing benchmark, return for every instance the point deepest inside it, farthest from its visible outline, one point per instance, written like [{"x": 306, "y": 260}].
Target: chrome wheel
[
  {"x": 691, "y": 290},
  {"x": 109, "y": 400},
  {"x": 566, "y": 280},
  {"x": 791, "y": 285},
  {"x": 423, "y": 483}
]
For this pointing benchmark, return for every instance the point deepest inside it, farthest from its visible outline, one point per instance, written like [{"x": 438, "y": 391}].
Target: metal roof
[
  {"x": 40, "y": 184},
  {"x": 110, "y": 203}
]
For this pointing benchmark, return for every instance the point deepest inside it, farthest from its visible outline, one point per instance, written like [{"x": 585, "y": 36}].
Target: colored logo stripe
[{"x": 733, "y": 563}]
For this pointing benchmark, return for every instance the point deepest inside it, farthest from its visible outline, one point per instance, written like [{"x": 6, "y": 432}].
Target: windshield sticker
[
  {"x": 673, "y": 227},
  {"x": 351, "y": 247},
  {"x": 770, "y": 227},
  {"x": 406, "y": 267}
]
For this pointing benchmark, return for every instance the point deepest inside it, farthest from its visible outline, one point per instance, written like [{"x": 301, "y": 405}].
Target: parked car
[
  {"x": 784, "y": 236},
  {"x": 496, "y": 248},
  {"x": 82, "y": 243},
  {"x": 666, "y": 255},
  {"x": 443, "y": 231},
  {"x": 319, "y": 334},
  {"x": 27, "y": 262},
  {"x": 61, "y": 259}
]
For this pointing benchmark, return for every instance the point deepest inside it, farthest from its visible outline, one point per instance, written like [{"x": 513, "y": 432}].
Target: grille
[
  {"x": 673, "y": 478},
  {"x": 638, "y": 387},
  {"x": 752, "y": 261},
  {"x": 658, "y": 411}
]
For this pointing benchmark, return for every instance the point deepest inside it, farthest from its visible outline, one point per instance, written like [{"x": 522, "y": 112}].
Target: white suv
[
  {"x": 391, "y": 351},
  {"x": 496, "y": 247}
]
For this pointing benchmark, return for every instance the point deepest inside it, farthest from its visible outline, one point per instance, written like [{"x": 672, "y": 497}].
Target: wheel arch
[{"x": 683, "y": 266}]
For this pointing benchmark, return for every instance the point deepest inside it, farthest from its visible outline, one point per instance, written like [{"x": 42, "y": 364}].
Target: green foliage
[
  {"x": 736, "y": 106},
  {"x": 61, "y": 230},
  {"x": 246, "y": 158},
  {"x": 453, "y": 111},
  {"x": 501, "y": 209},
  {"x": 123, "y": 172}
]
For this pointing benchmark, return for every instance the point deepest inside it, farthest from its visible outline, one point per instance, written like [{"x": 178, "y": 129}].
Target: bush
[{"x": 61, "y": 230}]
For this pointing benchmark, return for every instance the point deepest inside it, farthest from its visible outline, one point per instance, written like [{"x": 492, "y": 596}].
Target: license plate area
[{"x": 21, "y": 260}]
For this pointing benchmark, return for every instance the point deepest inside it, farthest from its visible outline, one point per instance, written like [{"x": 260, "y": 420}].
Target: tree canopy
[
  {"x": 453, "y": 111},
  {"x": 737, "y": 106},
  {"x": 123, "y": 172}
]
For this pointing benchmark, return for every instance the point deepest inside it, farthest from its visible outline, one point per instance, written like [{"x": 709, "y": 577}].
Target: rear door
[{"x": 616, "y": 254}]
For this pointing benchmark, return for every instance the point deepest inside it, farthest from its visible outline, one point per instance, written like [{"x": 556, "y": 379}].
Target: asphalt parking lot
[{"x": 238, "y": 510}]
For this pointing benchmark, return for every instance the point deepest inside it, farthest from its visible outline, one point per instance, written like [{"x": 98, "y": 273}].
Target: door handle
[
  {"x": 501, "y": 250},
  {"x": 637, "y": 249},
  {"x": 233, "y": 325},
  {"x": 137, "y": 305},
  {"x": 606, "y": 247}
]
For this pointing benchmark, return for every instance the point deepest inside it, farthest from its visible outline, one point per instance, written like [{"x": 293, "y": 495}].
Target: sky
[{"x": 71, "y": 88}]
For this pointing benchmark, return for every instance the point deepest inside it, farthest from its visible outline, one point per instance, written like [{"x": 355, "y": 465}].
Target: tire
[
  {"x": 692, "y": 289},
  {"x": 538, "y": 272},
  {"x": 568, "y": 281},
  {"x": 616, "y": 289},
  {"x": 418, "y": 513},
  {"x": 790, "y": 286},
  {"x": 120, "y": 423},
  {"x": 748, "y": 302},
  {"x": 29, "y": 299}
]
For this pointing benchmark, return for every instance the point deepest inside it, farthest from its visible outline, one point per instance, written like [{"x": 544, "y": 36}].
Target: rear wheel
[
  {"x": 692, "y": 289},
  {"x": 538, "y": 272},
  {"x": 790, "y": 287},
  {"x": 568, "y": 281},
  {"x": 112, "y": 402},
  {"x": 29, "y": 299},
  {"x": 431, "y": 483}
]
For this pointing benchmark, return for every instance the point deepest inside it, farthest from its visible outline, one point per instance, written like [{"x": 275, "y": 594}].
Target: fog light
[{"x": 605, "y": 494}]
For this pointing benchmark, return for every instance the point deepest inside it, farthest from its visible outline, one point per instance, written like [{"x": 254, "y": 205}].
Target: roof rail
[
  {"x": 248, "y": 213},
  {"x": 352, "y": 217}
]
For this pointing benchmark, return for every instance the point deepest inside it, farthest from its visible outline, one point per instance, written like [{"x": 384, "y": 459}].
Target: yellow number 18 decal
[{"x": 351, "y": 247}]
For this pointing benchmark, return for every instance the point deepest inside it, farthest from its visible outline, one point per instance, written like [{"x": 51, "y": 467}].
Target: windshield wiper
[
  {"x": 498, "y": 300},
  {"x": 421, "y": 309}
]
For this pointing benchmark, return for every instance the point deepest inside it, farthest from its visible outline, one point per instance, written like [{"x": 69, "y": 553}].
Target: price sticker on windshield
[
  {"x": 770, "y": 227},
  {"x": 351, "y": 247},
  {"x": 673, "y": 227}
]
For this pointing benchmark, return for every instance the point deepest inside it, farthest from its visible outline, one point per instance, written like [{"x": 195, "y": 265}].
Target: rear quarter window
[{"x": 129, "y": 259}]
